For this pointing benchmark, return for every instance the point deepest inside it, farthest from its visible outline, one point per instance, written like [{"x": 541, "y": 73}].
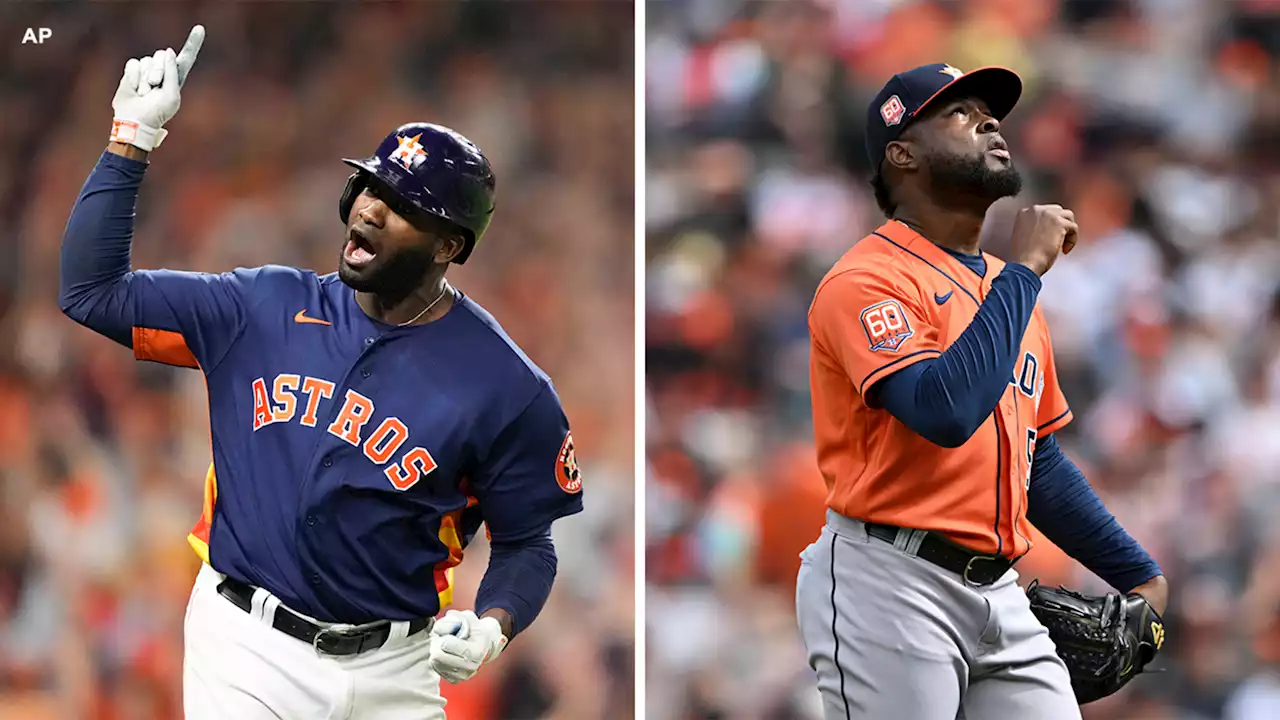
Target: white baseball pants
[{"x": 237, "y": 666}]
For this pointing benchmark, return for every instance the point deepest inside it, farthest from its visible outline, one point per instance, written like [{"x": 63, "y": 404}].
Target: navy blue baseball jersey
[{"x": 353, "y": 460}]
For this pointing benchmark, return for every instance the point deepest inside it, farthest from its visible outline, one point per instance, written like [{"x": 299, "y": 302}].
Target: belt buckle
[
  {"x": 968, "y": 566},
  {"x": 344, "y": 630},
  {"x": 338, "y": 630}
]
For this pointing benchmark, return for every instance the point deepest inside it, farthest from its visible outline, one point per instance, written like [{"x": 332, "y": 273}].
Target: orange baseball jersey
[{"x": 892, "y": 300}]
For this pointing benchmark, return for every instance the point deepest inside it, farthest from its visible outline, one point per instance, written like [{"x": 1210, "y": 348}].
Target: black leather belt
[
  {"x": 974, "y": 568},
  {"x": 347, "y": 640}
]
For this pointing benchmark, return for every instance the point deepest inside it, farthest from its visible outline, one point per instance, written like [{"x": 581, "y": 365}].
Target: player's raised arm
[
  {"x": 944, "y": 396},
  {"x": 149, "y": 96},
  {"x": 178, "y": 318}
]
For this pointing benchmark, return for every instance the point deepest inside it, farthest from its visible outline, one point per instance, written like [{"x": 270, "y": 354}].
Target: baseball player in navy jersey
[{"x": 365, "y": 424}]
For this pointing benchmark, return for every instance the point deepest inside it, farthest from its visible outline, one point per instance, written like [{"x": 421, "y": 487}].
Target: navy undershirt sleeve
[
  {"x": 98, "y": 290},
  {"x": 1063, "y": 505},
  {"x": 947, "y": 398},
  {"x": 93, "y": 285},
  {"x": 520, "y": 497},
  {"x": 518, "y": 580}
]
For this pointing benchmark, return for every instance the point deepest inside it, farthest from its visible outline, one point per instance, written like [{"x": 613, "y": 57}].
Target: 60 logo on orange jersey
[{"x": 886, "y": 326}]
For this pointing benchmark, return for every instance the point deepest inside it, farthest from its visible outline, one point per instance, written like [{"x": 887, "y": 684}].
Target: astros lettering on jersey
[
  {"x": 356, "y": 460},
  {"x": 892, "y": 300}
]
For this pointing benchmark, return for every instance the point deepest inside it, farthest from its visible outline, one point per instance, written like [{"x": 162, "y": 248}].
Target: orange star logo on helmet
[{"x": 409, "y": 150}]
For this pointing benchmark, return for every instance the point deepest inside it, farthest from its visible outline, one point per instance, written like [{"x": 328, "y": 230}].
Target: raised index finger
[{"x": 187, "y": 56}]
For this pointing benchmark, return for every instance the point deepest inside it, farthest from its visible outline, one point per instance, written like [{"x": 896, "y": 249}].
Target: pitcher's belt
[{"x": 975, "y": 568}]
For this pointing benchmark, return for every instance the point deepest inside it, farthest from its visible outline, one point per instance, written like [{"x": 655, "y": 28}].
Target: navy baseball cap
[{"x": 908, "y": 93}]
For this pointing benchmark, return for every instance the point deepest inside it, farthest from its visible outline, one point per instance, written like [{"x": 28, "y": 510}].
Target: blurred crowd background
[
  {"x": 102, "y": 459},
  {"x": 1156, "y": 122}
]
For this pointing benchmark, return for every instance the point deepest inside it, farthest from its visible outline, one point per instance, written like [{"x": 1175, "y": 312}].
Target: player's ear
[
  {"x": 449, "y": 248},
  {"x": 901, "y": 154}
]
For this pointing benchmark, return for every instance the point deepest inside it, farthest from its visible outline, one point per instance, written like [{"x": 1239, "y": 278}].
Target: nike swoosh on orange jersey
[{"x": 301, "y": 317}]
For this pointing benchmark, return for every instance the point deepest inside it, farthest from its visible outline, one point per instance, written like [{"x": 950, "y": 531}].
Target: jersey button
[
  {"x": 315, "y": 578},
  {"x": 327, "y": 462},
  {"x": 311, "y": 519},
  {"x": 368, "y": 341},
  {"x": 365, "y": 373}
]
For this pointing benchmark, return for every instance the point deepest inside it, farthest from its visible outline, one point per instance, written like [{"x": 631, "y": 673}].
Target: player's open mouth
[{"x": 358, "y": 251}]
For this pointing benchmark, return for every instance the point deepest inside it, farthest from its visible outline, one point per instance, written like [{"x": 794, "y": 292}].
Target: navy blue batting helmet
[{"x": 436, "y": 171}]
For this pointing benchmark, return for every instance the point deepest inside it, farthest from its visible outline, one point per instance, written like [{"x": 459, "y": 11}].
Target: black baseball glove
[{"x": 1104, "y": 640}]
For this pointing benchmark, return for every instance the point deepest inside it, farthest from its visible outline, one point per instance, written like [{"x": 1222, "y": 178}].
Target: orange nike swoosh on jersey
[{"x": 301, "y": 317}]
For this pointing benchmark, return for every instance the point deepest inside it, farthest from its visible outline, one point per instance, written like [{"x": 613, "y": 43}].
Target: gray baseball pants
[{"x": 894, "y": 637}]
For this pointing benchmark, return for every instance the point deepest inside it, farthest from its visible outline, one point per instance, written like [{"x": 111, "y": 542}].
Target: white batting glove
[
  {"x": 148, "y": 96},
  {"x": 464, "y": 642}
]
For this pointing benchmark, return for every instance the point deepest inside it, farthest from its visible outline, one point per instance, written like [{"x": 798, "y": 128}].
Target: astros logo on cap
[
  {"x": 953, "y": 72},
  {"x": 409, "y": 149}
]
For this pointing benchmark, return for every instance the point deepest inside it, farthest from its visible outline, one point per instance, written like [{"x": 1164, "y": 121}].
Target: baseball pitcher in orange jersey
[{"x": 935, "y": 400}]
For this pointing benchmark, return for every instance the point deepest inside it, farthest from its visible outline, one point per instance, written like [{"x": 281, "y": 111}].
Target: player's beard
[
  {"x": 971, "y": 176},
  {"x": 394, "y": 278}
]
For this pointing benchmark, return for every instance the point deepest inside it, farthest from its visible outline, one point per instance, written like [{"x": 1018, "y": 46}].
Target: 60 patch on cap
[{"x": 893, "y": 110}]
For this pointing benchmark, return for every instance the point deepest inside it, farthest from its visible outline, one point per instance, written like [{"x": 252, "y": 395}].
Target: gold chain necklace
[{"x": 439, "y": 297}]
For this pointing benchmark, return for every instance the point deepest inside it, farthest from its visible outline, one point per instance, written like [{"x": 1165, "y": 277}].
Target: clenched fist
[
  {"x": 1040, "y": 232},
  {"x": 149, "y": 93},
  {"x": 464, "y": 642}
]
